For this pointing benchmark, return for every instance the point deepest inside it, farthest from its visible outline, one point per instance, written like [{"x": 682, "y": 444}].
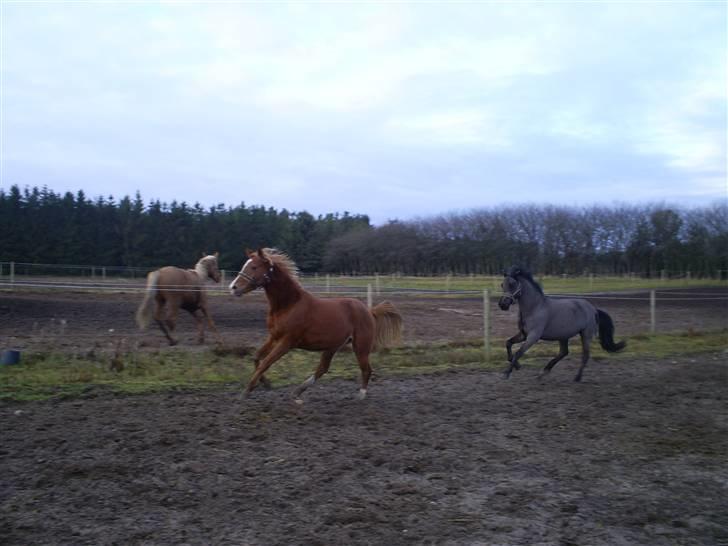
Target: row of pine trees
[{"x": 42, "y": 226}]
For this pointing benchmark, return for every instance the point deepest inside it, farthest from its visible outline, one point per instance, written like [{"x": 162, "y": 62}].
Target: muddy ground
[
  {"x": 71, "y": 321},
  {"x": 635, "y": 455}
]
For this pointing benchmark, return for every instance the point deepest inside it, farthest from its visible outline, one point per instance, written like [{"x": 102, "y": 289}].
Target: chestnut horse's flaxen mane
[{"x": 283, "y": 262}]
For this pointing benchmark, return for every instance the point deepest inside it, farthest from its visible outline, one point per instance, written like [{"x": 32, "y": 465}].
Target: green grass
[
  {"x": 553, "y": 285},
  {"x": 47, "y": 375}
]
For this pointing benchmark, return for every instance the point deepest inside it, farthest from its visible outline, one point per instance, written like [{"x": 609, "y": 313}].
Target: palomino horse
[
  {"x": 299, "y": 320},
  {"x": 171, "y": 288},
  {"x": 542, "y": 317}
]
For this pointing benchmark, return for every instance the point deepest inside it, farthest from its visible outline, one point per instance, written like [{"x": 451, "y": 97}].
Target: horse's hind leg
[
  {"x": 323, "y": 367},
  {"x": 200, "y": 327},
  {"x": 366, "y": 372},
  {"x": 585, "y": 343},
  {"x": 563, "y": 351},
  {"x": 159, "y": 319}
]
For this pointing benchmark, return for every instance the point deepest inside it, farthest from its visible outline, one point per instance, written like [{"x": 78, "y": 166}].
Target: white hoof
[{"x": 362, "y": 394}]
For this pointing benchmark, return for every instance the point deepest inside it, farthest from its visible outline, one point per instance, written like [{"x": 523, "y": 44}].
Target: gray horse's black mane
[{"x": 517, "y": 272}]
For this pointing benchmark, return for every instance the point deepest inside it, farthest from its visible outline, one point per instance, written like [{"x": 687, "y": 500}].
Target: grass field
[
  {"x": 49, "y": 375},
  {"x": 551, "y": 284},
  {"x": 320, "y": 283}
]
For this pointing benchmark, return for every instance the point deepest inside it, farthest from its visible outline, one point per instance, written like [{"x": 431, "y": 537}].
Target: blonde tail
[
  {"x": 388, "y": 325},
  {"x": 144, "y": 313}
]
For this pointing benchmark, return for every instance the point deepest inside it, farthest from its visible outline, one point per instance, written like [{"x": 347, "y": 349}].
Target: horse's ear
[
  {"x": 204, "y": 253},
  {"x": 217, "y": 254},
  {"x": 249, "y": 252},
  {"x": 262, "y": 255}
]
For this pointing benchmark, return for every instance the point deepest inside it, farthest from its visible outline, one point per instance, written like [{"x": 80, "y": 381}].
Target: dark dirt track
[{"x": 634, "y": 455}]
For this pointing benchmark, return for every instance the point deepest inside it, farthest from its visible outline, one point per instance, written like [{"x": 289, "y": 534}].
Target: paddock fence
[{"x": 18, "y": 276}]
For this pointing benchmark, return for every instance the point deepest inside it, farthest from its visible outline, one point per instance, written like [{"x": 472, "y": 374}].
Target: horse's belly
[{"x": 324, "y": 341}]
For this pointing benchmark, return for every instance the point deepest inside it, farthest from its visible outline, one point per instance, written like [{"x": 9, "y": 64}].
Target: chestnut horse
[
  {"x": 171, "y": 288},
  {"x": 299, "y": 320}
]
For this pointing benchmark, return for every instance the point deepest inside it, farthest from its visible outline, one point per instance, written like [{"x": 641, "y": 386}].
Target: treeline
[
  {"x": 41, "y": 226},
  {"x": 648, "y": 240}
]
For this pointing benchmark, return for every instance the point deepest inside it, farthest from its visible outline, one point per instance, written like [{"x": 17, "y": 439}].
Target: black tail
[{"x": 606, "y": 333}]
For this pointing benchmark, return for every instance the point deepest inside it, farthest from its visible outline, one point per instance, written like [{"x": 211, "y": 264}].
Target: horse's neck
[
  {"x": 283, "y": 292},
  {"x": 530, "y": 298},
  {"x": 201, "y": 270}
]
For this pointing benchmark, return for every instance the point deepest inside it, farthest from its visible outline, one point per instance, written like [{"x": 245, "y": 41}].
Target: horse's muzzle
[
  {"x": 237, "y": 290},
  {"x": 505, "y": 302}
]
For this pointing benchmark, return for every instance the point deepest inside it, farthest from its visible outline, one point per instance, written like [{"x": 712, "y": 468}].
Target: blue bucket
[{"x": 10, "y": 356}]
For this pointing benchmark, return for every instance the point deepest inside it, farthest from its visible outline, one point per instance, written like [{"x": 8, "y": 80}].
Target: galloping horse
[
  {"x": 172, "y": 287},
  {"x": 299, "y": 320},
  {"x": 542, "y": 317}
]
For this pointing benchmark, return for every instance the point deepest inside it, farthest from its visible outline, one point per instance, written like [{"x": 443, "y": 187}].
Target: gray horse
[{"x": 542, "y": 317}]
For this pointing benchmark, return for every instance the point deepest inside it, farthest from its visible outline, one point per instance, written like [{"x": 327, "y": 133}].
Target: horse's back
[
  {"x": 328, "y": 323},
  {"x": 348, "y": 311},
  {"x": 569, "y": 316},
  {"x": 179, "y": 284}
]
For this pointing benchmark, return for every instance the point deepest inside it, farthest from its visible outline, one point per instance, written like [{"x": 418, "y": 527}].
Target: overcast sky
[{"x": 393, "y": 110}]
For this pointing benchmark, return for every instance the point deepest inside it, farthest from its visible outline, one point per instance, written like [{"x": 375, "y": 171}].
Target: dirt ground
[
  {"x": 635, "y": 455},
  {"x": 68, "y": 321}
]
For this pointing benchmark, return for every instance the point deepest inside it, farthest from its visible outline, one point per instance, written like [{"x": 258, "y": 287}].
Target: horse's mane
[
  {"x": 283, "y": 261},
  {"x": 519, "y": 272}
]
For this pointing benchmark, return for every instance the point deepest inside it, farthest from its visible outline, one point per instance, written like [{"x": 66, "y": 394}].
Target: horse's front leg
[
  {"x": 281, "y": 347},
  {"x": 520, "y": 336},
  {"x": 323, "y": 367},
  {"x": 211, "y": 324},
  {"x": 200, "y": 327},
  {"x": 531, "y": 339},
  {"x": 259, "y": 355}
]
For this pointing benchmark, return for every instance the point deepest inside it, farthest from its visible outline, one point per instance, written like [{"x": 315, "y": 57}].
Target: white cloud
[{"x": 291, "y": 100}]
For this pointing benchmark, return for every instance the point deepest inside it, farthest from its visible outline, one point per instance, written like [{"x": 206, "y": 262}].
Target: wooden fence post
[
  {"x": 12, "y": 273},
  {"x": 328, "y": 283},
  {"x": 653, "y": 313},
  {"x": 486, "y": 324},
  {"x": 369, "y": 295}
]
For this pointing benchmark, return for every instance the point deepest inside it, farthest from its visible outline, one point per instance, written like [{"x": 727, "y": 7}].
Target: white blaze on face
[{"x": 235, "y": 280}]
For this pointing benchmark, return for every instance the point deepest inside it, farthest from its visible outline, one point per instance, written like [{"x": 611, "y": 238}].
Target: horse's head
[
  {"x": 207, "y": 267},
  {"x": 255, "y": 273},
  {"x": 511, "y": 287}
]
